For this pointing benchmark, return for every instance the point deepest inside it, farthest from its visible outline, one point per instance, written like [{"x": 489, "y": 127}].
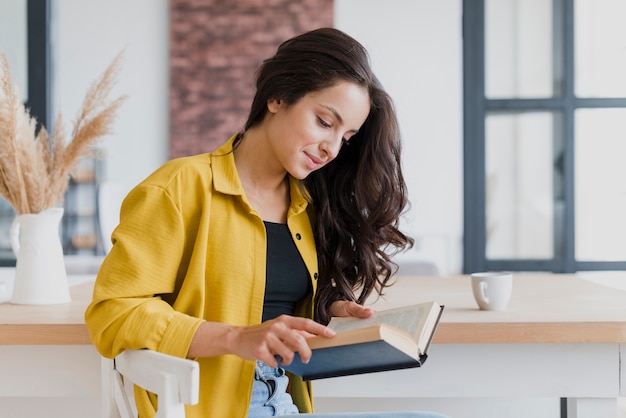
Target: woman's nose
[{"x": 332, "y": 146}]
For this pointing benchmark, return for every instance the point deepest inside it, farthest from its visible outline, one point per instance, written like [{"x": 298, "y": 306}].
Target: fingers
[
  {"x": 293, "y": 334},
  {"x": 272, "y": 352},
  {"x": 283, "y": 337},
  {"x": 359, "y": 311},
  {"x": 312, "y": 327},
  {"x": 293, "y": 342},
  {"x": 348, "y": 308}
]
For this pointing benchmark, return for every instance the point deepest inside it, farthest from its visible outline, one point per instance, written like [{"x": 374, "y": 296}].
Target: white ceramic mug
[{"x": 492, "y": 290}]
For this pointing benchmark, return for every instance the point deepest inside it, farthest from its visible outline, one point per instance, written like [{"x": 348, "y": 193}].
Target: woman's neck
[{"x": 264, "y": 181}]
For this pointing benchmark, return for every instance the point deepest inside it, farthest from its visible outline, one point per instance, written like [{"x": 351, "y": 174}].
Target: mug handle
[
  {"x": 483, "y": 291},
  {"x": 15, "y": 236}
]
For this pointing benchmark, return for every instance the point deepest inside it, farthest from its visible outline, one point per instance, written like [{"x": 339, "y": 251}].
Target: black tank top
[{"x": 287, "y": 279}]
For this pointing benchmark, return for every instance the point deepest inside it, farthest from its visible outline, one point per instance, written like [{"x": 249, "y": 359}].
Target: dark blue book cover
[{"x": 369, "y": 357}]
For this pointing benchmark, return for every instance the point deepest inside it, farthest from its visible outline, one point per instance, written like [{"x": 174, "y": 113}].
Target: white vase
[{"x": 40, "y": 276}]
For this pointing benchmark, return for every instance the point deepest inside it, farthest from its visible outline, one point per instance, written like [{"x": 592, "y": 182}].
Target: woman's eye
[{"x": 324, "y": 123}]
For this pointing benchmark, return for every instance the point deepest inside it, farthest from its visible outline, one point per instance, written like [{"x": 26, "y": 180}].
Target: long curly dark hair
[{"x": 358, "y": 198}]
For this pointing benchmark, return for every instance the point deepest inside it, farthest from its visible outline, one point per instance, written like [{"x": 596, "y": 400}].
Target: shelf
[
  {"x": 83, "y": 176},
  {"x": 85, "y": 241}
]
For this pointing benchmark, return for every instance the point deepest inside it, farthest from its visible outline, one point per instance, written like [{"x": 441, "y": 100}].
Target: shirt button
[
  {"x": 298, "y": 237},
  {"x": 315, "y": 276}
]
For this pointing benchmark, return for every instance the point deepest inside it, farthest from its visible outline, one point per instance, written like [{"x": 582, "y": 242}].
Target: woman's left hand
[{"x": 348, "y": 308}]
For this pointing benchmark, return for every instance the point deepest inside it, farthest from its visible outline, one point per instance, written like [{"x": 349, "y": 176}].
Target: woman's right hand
[{"x": 283, "y": 336}]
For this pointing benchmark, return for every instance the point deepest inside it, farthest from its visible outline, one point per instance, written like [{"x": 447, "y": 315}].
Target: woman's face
[{"x": 309, "y": 134}]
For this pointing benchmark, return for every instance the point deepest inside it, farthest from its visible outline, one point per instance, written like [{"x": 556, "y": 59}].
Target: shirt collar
[
  {"x": 223, "y": 162},
  {"x": 228, "y": 182}
]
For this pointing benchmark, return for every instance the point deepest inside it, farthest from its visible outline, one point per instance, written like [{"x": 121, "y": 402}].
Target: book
[{"x": 391, "y": 339}]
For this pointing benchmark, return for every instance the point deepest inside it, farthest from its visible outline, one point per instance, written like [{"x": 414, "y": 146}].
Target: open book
[{"x": 389, "y": 340}]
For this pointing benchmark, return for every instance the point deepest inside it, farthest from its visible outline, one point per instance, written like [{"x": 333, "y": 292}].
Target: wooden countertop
[
  {"x": 61, "y": 324},
  {"x": 544, "y": 308}
]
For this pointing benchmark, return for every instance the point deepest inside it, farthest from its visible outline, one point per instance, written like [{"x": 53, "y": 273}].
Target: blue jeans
[
  {"x": 269, "y": 393},
  {"x": 270, "y": 399}
]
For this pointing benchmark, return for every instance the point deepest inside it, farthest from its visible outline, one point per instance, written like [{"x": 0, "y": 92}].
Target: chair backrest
[{"x": 174, "y": 380}]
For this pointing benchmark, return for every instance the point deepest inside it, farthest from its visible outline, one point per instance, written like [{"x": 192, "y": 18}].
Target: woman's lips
[{"x": 313, "y": 162}]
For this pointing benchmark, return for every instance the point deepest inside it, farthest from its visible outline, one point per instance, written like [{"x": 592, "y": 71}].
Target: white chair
[{"x": 176, "y": 382}]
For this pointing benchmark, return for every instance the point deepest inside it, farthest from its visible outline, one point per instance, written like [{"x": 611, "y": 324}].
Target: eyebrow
[{"x": 338, "y": 116}]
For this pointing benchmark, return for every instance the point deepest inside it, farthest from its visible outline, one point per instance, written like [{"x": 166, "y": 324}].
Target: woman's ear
[{"x": 273, "y": 105}]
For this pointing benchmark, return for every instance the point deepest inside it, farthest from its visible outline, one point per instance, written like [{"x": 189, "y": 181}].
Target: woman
[{"x": 227, "y": 257}]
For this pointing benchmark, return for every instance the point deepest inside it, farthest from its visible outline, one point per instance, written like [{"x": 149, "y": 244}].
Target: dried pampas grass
[{"x": 35, "y": 167}]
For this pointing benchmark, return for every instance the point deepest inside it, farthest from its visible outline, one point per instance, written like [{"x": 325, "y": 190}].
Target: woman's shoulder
[
  {"x": 195, "y": 166},
  {"x": 191, "y": 162},
  {"x": 199, "y": 164},
  {"x": 181, "y": 174}
]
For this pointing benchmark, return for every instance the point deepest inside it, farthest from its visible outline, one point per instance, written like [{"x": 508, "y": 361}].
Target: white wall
[
  {"x": 87, "y": 35},
  {"x": 13, "y": 42},
  {"x": 416, "y": 52},
  {"x": 418, "y": 60}
]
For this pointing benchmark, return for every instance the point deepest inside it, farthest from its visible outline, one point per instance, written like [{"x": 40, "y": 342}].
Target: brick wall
[{"x": 215, "y": 48}]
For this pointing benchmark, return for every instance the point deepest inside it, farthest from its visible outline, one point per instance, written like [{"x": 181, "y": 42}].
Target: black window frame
[
  {"x": 476, "y": 107},
  {"x": 38, "y": 30}
]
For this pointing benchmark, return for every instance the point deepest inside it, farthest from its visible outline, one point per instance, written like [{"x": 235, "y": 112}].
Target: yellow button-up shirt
[{"x": 188, "y": 248}]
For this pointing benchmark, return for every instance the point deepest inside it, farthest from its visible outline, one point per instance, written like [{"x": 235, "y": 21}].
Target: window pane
[
  {"x": 519, "y": 181},
  {"x": 600, "y": 48},
  {"x": 600, "y": 185},
  {"x": 518, "y": 49}
]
